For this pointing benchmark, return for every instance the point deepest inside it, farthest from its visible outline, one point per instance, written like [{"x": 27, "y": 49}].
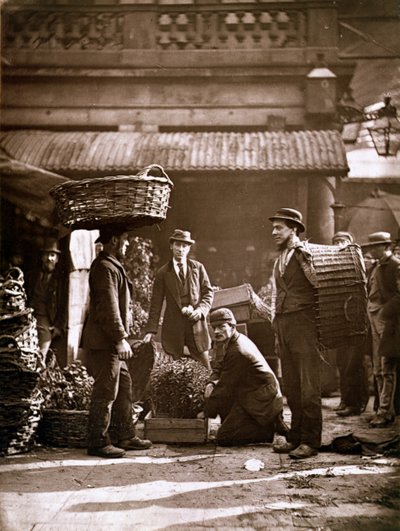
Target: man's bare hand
[
  {"x": 208, "y": 390},
  {"x": 148, "y": 337},
  {"x": 195, "y": 315},
  {"x": 124, "y": 350}
]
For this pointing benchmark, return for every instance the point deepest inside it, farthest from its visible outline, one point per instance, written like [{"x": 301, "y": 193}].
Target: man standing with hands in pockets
[{"x": 111, "y": 430}]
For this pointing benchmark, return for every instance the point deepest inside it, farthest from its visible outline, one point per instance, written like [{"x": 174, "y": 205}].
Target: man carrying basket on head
[{"x": 105, "y": 337}]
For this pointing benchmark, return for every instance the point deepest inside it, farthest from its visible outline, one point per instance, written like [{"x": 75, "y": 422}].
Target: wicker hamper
[
  {"x": 19, "y": 420},
  {"x": 63, "y": 428},
  {"x": 341, "y": 294},
  {"x": 134, "y": 200}
]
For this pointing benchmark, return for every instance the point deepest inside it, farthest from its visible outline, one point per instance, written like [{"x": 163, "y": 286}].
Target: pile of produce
[
  {"x": 177, "y": 388},
  {"x": 68, "y": 388}
]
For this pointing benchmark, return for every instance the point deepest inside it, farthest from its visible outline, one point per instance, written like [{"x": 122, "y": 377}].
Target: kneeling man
[{"x": 245, "y": 392}]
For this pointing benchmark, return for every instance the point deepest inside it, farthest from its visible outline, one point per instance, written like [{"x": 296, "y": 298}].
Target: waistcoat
[{"x": 293, "y": 291}]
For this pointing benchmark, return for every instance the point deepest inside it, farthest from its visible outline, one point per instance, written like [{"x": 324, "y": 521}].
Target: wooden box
[
  {"x": 172, "y": 430},
  {"x": 237, "y": 299}
]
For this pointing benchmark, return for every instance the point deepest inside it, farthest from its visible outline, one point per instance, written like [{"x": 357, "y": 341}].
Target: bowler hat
[
  {"x": 378, "y": 238},
  {"x": 342, "y": 235},
  {"x": 289, "y": 214},
  {"x": 222, "y": 315},
  {"x": 50, "y": 245},
  {"x": 181, "y": 236}
]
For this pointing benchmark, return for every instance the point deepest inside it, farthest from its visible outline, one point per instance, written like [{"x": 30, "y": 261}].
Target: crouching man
[{"x": 244, "y": 392}]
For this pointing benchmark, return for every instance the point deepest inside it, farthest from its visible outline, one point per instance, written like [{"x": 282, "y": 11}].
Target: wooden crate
[
  {"x": 237, "y": 299},
  {"x": 171, "y": 430}
]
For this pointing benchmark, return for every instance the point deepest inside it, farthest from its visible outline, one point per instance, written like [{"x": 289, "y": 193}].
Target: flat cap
[{"x": 222, "y": 315}]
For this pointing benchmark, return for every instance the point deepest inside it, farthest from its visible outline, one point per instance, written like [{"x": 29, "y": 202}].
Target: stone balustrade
[{"x": 167, "y": 28}]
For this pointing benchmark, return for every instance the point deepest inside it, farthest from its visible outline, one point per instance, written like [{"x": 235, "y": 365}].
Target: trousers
[
  {"x": 301, "y": 375},
  {"x": 352, "y": 376},
  {"x": 110, "y": 413},
  {"x": 384, "y": 370},
  {"x": 238, "y": 427}
]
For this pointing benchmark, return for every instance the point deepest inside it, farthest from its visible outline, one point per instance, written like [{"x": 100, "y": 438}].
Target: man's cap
[
  {"x": 50, "y": 245},
  {"x": 378, "y": 238},
  {"x": 342, "y": 235},
  {"x": 222, "y": 315},
  {"x": 181, "y": 236},
  {"x": 289, "y": 214},
  {"x": 108, "y": 231}
]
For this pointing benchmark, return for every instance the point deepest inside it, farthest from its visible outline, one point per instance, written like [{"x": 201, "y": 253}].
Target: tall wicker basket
[
  {"x": 341, "y": 294},
  {"x": 133, "y": 200}
]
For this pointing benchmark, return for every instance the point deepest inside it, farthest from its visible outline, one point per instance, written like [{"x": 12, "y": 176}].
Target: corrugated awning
[
  {"x": 27, "y": 187},
  {"x": 77, "y": 153}
]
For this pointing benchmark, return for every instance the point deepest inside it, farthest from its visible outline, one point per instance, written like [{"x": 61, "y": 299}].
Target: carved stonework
[
  {"x": 231, "y": 30},
  {"x": 171, "y": 29},
  {"x": 64, "y": 30}
]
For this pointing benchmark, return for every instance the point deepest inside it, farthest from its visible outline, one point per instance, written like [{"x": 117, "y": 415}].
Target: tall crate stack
[{"x": 20, "y": 363}]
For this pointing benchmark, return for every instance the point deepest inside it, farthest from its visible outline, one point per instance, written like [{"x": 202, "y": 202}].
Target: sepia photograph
[{"x": 199, "y": 265}]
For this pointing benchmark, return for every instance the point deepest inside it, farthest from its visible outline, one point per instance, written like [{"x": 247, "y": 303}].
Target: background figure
[
  {"x": 243, "y": 389},
  {"x": 350, "y": 363},
  {"x": 47, "y": 295},
  {"x": 105, "y": 336},
  {"x": 184, "y": 285},
  {"x": 383, "y": 312},
  {"x": 296, "y": 329}
]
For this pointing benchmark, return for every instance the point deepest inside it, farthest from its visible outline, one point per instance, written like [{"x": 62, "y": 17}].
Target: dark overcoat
[
  {"x": 245, "y": 378},
  {"x": 56, "y": 295},
  {"x": 388, "y": 280},
  {"x": 166, "y": 287},
  {"x": 110, "y": 310}
]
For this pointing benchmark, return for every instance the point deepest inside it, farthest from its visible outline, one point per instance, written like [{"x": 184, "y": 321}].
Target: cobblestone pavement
[{"x": 203, "y": 487}]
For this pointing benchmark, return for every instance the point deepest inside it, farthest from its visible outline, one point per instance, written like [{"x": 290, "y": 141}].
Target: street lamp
[{"x": 385, "y": 132}]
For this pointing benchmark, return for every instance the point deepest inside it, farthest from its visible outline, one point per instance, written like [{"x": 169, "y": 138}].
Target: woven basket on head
[
  {"x": 64, "y": 428},
  {"x": 341, "y": 294},
  {"x": 134, "y": 200}
]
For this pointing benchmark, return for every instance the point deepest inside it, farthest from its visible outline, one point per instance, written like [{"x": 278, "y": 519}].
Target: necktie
[{"x": 181, "y": 273}]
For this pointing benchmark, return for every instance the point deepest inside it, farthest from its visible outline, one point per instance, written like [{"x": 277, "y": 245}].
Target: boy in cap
[
  {"x": 110, "y": 427},
  {"x": 184, "y": 285},
  {"x": 384, "y": 316},
  {"x": 246, "y": 393},
  {"x": 295, "y": 326}
]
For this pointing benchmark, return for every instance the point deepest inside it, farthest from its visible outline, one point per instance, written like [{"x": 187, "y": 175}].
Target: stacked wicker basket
[{"x": 20, "y": 398}]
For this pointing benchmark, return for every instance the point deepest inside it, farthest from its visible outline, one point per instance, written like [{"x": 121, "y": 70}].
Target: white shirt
[{"x": 176, "y": 267}]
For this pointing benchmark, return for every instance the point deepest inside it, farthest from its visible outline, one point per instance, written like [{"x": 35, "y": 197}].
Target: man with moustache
[
  {"x": 384, "y": 315},
  {"x": 295, "y": 327},
  {"x": 243, "y": 389},
  {"x": 105, "y": 336},
  {"x": 47, "y": 295},
  {"x": 184, "y": 284}
]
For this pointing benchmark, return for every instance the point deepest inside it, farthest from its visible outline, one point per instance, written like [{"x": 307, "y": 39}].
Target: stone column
[{"x": 320, "y": 218}]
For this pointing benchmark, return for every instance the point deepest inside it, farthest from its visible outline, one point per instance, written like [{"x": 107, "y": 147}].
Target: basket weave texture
[
  {"x": 341, "y": 294},
  {"x": 64, "y": 428},
  {"x": 134, "y": 200},
  {"x": 19, "y": 420},
  {"x": 20, "y": 362}
]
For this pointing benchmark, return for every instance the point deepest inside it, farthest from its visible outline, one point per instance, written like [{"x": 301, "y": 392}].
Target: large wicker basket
[
  {"x": 64, "y": 428},
  {"x": 341, "y": 293},
  {"x": 134, "y": 200}
]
